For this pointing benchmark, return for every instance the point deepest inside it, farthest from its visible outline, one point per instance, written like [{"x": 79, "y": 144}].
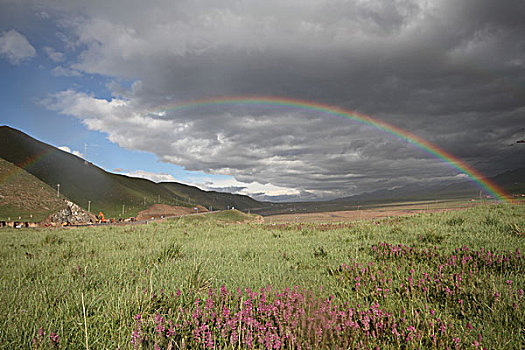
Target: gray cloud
[
  {"x": 229, "y": 189},
  {"x": 451, "y": 73}
]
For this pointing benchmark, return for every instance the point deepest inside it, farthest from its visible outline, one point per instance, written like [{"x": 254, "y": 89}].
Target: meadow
[{"x": 453, "y": 279}]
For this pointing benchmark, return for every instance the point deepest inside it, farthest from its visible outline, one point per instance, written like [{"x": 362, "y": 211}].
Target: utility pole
[
  {"x": 58, "y": 190},
  {"x": 89, "y": 206},
  {"x": 122, "y": 209},
  {"x": 85, "y": 154}
]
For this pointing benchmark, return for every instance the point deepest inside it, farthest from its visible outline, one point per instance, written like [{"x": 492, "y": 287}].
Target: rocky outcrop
[{"x": 72, "y": 214}]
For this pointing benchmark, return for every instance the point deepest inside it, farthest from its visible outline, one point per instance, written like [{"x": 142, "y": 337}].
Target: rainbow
[
  {"x": 325, "y": 109},
  {"x": 24, "y": 165}
]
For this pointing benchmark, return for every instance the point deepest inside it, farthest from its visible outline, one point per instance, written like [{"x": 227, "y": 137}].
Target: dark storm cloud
[{"x": 450, "y": 72}]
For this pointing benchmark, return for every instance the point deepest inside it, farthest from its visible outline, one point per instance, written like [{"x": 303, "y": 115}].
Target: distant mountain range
[{"x": 117, "y": 195}]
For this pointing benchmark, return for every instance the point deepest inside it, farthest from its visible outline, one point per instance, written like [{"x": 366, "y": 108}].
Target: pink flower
[
  {"x": 54, "y": 338},
  {"x": 135, "y": 337}
]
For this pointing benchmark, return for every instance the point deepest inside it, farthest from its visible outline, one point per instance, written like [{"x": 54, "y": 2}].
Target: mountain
[
  {"x": 113, "y": 194},
  {"x": 24, "y": 197}
]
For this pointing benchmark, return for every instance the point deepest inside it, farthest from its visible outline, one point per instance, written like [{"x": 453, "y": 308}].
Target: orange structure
[{"x": 100, "y": 217}]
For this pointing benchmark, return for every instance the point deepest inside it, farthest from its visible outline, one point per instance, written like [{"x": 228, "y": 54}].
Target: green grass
[
  {"x": 220, "y": 217},
  {"x": 45, "y": 273}
]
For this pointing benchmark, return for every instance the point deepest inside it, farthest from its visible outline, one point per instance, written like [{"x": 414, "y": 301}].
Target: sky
[{"x": 103, "y": 79}]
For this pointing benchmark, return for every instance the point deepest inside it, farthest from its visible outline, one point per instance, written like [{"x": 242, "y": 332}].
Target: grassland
[{"x": 452, "y": 279}]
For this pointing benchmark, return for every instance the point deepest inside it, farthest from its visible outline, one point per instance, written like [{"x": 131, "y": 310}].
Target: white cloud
[
  {"x": 461, "y": 176},
  {"x": 60, "y": 71},
  {"x": 68, "y": 150},
  {"x": 103, "y": 115},
  {"x": 15, "y": 47},
  {"x": 155, "y": 177},
  {"x": 249, "y": 189},
  {"x": 54, "y": 55}
]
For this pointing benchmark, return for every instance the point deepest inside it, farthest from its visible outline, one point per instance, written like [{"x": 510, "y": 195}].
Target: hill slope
[
  {"x": 81, "y": 181},
  {"x": 25, "y": 196}
]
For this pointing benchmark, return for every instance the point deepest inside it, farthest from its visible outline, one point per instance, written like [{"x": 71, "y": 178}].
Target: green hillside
[
  {"x": 82, "y": 181},
  {"x": 24, "y": 197}
]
